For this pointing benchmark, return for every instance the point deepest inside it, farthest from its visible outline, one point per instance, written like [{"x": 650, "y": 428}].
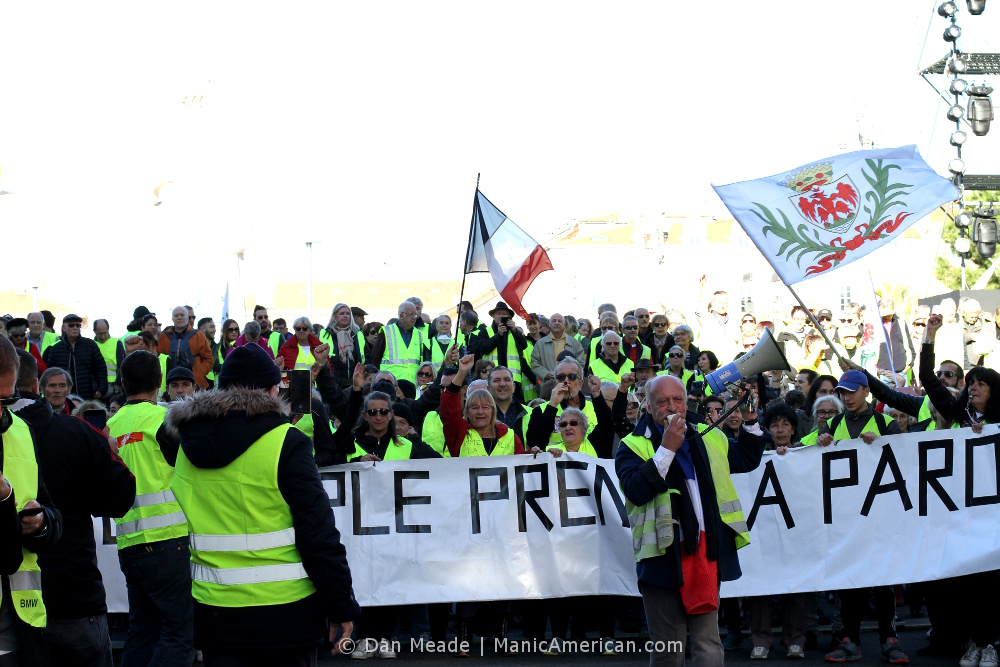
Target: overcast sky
[{"x": 362, "y": 126}]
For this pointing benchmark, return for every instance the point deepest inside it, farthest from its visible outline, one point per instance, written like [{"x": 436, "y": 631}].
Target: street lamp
[
  {"x": 976, "y": 7},
  {"x": 962, "y": 246},
  {"x": 984, "y": 231}
]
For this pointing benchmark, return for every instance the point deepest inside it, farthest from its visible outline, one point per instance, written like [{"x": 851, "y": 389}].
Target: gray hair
[
  {"x": 579, "y": 414},
  {"x": 675, "y": 347},
  {"x": 685, "y": 329},
  {"x": 608, "y": 384},
  {"x": 604, "y": 337},
  {"x": 830, "y": 398},
  {"x": 478, "y": 384},
  {"x": 302, "y": 320},
  {"x": 630, "y": 317},
  {"x": 607, "y": 308},
  {"x": 49, "y": 372},
  {"x": 575, "y": 362},
  {"x": 251, "y": 331},
  {"x": 416, "y": 301},
  {"x": 402, "y": 306},
  {"x": 469, "y": 317},
  {"x": 438, "y": 319},
  {"x": 652, "y": 385}
]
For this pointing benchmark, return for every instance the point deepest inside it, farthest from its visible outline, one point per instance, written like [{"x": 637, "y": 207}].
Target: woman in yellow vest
[
  {"x": 297, "y": 351},
  {"x": 824, "y": 409},
  {"x": 474, "y": 430},
  {"x": 979, "y": 402}
]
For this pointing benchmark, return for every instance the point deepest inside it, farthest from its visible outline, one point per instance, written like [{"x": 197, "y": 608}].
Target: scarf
[{"x": 345, "y": 344}]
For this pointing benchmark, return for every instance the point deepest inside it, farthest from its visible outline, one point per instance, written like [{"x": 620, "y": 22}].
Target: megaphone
[{"x": 766, "y": 355}]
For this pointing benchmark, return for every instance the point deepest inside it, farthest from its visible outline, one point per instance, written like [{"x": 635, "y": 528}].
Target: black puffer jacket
[
  {"x": 84, "y": 363},
  {"x": 216, "y": 427},
  {"x": 84, "y": 479}
]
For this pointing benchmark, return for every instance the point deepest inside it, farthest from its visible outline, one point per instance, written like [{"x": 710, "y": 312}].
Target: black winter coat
[{"x": 83, "y": 362}]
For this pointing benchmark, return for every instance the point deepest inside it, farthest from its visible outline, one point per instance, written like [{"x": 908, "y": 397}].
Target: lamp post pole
[{"x": 309, "y": 293}]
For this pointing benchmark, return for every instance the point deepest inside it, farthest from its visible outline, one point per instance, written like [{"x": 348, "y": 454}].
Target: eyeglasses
[
  {"x": 609, "y": 328},
  {"x": 569, "y": 422},
  {"x": 659, "y": 324},
  {"x": 826, "y": 413},
  {"x": 10, "y": 400},
  {"x": 233, "y": 329},
  {"x": 425, "y": 374},
  {"x": 676, "y": 355},
  {"x": 612, "y": 344},
  {"x": 947, "y": 374},
  {"x": 73, "y": 325},
  {"x": 485, "y": 371},
  {"x": 631, "y": 327},
  {"x": 371, "y": 412},
  {"x": 563, "y": 377},
  {"x": 302, "y": 328}
]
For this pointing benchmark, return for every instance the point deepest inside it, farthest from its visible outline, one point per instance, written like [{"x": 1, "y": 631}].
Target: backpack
[{"x": 180, "y": 351}]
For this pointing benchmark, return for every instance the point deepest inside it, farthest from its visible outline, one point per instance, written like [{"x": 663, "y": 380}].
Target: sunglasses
[
  {"x": 371, "y": 412},
  {"x": 302, "y": 328},
  {"x": 563, "y": 377},
  {"x": 919, "y": 325},
  {"x": 73, "y": 325},
  {"x": 10, "y": 400},
  {"x": 631, "y": 327},
  {"x": 947, "y": 374},
  {"x": 612, "y": 344},
  {"x": 569, "y": 422},
  {"x": 233, "y": 330},
  {"x": 17, "y": 335},
  {"x": 675, "y": 355},
  {"x": 659, "y": 324},
  {"x": 425, "y": 374},
  {"x": 749, "y": 321}
]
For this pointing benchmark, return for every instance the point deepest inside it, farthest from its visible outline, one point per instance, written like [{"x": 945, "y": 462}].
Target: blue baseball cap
[{"x": 852, "y": 381}]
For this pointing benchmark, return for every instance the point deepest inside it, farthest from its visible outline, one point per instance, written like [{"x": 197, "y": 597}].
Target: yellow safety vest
[
  {"x": 473, "y": 444},
  {"x": 603, "y": 371},
  {"x": 163, "y": 372},
  {"x": 399, "y": 359},
  {"x": 513, "y": 358},
  {"x": 396, "y": 451},
  {"x": 432, "y": 433},
  {"x": 21, "y": 470},
  {"x": 243, "y": 551},
  {"x": 109, "y": 350},
  {"x": 556, "y": 437},
  {"x": 304, "y": 360},
  {"x": 585, "y": 448},
  {"x": 530, "y": 389},
  {"x": 155, "y": 515},
  {"x": 652, "y": 523}
]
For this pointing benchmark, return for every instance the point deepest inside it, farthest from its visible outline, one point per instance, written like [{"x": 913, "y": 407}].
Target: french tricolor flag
[{"x": 498, "y": 246}]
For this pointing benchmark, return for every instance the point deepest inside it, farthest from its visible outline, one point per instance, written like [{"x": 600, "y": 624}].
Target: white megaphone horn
[{"x": 766, "y": 355}]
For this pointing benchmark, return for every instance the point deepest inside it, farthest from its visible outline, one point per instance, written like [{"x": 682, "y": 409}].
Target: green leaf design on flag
[{"x": 796, "y": 241}]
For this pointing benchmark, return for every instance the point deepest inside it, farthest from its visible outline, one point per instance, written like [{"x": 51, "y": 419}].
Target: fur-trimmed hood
[{"x": 215, "y": 427}]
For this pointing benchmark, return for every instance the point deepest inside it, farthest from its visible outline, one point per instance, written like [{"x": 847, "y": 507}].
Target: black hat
[
  {"x": 180, "y": 373},
  {"x": 72, "y": 317},
  {"x": 501, "y": 306},
  {"x": 646, "y": 363},
  {"x": 355, "y": 311},
  {"x": 408, "y": 388},
  {"x": 249, "y": 366},
  {"x": 824, "y": 312},
  {"x": 401, "y": 409},
  {"x": 16, "y": 322}
]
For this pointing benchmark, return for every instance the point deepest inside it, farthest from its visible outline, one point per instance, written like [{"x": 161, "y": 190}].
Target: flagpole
[
  {"x": 472, "y": 227},
  {"x": 815, "y": 322}
]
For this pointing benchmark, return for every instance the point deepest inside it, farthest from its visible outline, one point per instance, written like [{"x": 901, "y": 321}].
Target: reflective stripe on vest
[
  {"x": 155, "y": 515},
  {"x": 399, "y": 359},
  {"x": 473, "y": 444},
  {"x": 513, "y": 360},
  {"x": 243, "y": 551},
  {"x": 279, "y": 538},
  {"x": 21, "y": 470},
  {"x": 652, "y": 524},
  {"x": 304, "y": 360}
]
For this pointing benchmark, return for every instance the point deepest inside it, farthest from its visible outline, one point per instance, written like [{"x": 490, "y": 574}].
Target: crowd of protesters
[{"x": 422, "y": 387}]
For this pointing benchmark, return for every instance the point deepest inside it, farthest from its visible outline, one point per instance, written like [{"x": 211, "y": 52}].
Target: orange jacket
[{"x": 200, "y": 348}]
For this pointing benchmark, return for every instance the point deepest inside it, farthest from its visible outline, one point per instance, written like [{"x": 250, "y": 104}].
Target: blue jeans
[
  {"x": 160, "y": 606},
  {"x": 79, "y": 641}
]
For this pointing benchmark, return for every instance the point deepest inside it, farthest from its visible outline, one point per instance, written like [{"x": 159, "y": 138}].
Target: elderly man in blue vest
[{"x": 682, "y": 506}]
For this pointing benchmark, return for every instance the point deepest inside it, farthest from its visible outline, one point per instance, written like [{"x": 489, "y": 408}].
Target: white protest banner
[{"x": 906, "y": 508}]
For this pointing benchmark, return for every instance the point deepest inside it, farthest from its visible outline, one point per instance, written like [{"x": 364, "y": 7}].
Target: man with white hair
[
  {"x": 186, "y": 347},
  {"x": 401, "y": 345},
  {"x": 609, "y": 364},
  {"x": 671, "y": 474}
]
